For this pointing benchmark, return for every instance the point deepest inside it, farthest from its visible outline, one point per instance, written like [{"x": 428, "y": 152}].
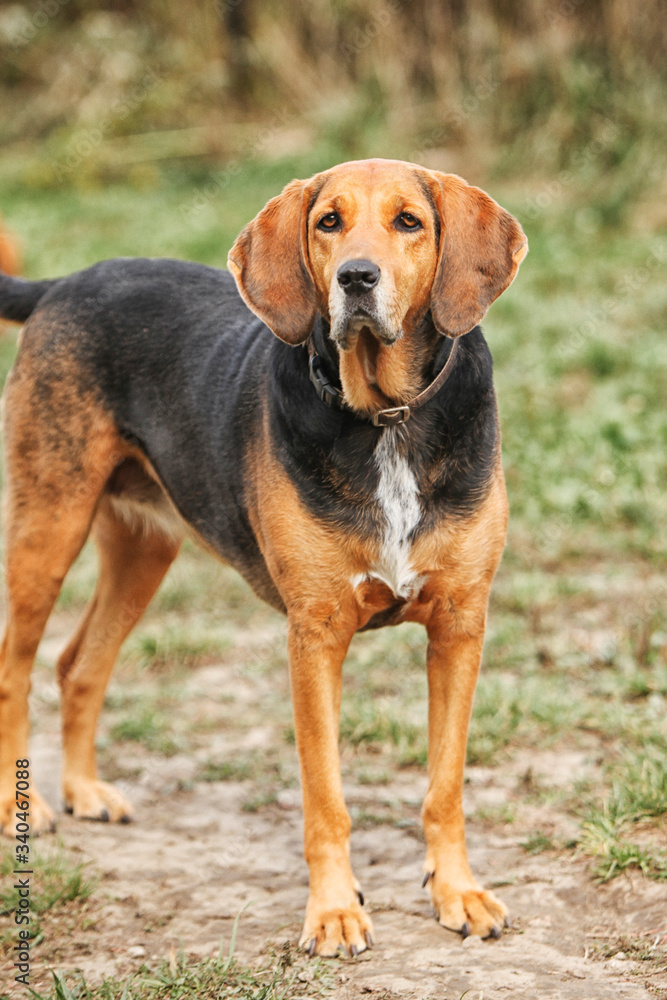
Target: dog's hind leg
[
  {"x": 58, "y": 457},
  {"x": 133, "y": 559}
]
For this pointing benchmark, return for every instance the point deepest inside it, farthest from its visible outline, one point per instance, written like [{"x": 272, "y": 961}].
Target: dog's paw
[
  {"x": 89, "y": 799},
  {"x": 40, "y": 817},
  {"x": 467, "y": 908},
  {"x": 328, "y": 932}
]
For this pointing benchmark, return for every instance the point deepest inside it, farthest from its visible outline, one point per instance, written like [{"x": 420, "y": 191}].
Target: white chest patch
[{"x": 398, "y": 496}]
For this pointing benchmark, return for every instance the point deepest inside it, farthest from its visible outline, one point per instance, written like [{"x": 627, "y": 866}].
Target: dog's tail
[{"x": 18, "y": 297}]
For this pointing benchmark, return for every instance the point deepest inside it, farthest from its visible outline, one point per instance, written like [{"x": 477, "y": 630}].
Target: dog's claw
[
  {"x": 125, "y": 818},
  {"x": 369, "y": 939},
  {"x": 495, "y": 932},
  {"x": 354, "y": 951},
  {"x": 361, "y": 897},
  {"x": 312, "y": 947},
  {"x": 465, "y": 930},
  {"x": 425, "y": 879},
  {"x": 104, "y": 816}
]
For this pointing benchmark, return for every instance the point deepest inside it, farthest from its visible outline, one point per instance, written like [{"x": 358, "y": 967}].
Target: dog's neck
[{"x": 374, "y": 376}]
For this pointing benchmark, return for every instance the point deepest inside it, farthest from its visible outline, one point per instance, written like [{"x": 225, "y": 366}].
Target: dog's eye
[
  {"x": 407, "y": 222},
  {"x": 330, "y": 222}
]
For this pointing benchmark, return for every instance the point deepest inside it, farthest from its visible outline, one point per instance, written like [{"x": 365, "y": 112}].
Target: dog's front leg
[
  {"x": 334, "y": 917},
  {"x": 454, "y": 653}
]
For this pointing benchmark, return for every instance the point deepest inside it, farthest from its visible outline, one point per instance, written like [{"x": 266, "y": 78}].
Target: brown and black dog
[{"x": 355, "y": 482}]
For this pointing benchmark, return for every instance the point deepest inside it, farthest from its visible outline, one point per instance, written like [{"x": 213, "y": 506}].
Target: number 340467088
[{"x": 22, "y": 808}]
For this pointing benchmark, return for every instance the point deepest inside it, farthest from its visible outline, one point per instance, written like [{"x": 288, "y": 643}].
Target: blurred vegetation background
[{"x": 124, "y": 88}]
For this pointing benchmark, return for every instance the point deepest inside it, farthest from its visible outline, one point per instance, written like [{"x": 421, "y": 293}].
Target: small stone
[
  {"x": 620, "y": 956},
  {"x": 286, "y": 799},
  {"x": 137, "y": 951}
]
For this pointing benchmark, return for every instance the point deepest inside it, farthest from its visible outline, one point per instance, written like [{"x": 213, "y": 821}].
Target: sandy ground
[{"x": 194, "y": 858}]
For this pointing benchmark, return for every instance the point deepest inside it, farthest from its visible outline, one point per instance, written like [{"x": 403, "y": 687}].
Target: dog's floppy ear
[
  {"x": 481, "y": 247},
  {"x": 270, "y": 264}
]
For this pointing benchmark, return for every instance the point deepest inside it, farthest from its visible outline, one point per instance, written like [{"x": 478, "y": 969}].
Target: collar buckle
[
  {"x": 391, "y": 417},
  {"x": 327, "y": 392}
]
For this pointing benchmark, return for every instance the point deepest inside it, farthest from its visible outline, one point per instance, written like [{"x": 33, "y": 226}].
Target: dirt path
[{"x": 195, "y": 857}]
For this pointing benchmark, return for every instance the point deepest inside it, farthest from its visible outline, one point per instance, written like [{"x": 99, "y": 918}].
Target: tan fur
[{"x": 132, "y": 564}]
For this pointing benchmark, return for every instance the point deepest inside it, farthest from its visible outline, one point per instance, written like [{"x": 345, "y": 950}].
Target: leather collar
[{"x": 332, "y": 396}]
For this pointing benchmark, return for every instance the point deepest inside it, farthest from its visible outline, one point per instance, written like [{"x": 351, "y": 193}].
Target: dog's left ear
[
  {"x": 270, "y": 264},
  {"x": 481, "y": 247}
]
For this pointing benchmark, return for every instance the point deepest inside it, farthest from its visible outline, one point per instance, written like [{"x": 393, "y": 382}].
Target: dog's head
[{"x": 375, "y": 244}]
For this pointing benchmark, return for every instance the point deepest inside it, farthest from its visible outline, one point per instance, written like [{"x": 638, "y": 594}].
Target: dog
[{"x": 323, "y": 419}]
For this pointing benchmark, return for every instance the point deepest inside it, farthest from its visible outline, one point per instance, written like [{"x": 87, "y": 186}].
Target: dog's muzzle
[{"x": 356, "y": 302}]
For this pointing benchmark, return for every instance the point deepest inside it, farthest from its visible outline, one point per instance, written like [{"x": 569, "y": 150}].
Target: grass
[
  {"x": 218, "y": 978},
  {"x": 616, "y": 831},
  {"x": 269, "y": 778},
  {"x": 647, "y": 948},
  {"x": 367, "y": 723},
  {"x": 538, "y": 842},
  {"x": 186, "y": 645},
  {"x": 150, "y": 725},
  {"x": 228, "y": 770},
  {"x": 57, "y": 880},
  {"x": 608, "y": 839}
]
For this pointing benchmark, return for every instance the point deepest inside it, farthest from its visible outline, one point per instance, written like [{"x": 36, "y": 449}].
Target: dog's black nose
[{"x": 358, "y": 276}]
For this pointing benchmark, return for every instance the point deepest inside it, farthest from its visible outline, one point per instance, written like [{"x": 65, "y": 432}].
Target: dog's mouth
[
  {"x": 367, "y": 348},
  {"x": 363, "y": 341},
  {"x": 361, "y": 324}
]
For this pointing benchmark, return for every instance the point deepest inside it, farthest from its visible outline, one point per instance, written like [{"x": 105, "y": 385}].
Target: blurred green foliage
[{"x": 92, "y": 93}]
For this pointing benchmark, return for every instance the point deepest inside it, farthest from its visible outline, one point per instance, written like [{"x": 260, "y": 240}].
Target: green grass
[
  {"x": 228, "y": 770},
  {"x": 266, "y": 774},
  {"x": 151, "y": 726},
  {"x": 219, "y": 978},
  {"x": 57, "y": 879},
  {"x": 616, "y": 831},
  {"x": 538, "y": 842},
  {"x": 611, "y": 842},
  {"x": 186, "y": 645},
  {"x": 368, "y": 723}
]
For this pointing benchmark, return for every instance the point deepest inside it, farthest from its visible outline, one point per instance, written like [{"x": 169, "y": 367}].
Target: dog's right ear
[{"x": 270, "y": 264}]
